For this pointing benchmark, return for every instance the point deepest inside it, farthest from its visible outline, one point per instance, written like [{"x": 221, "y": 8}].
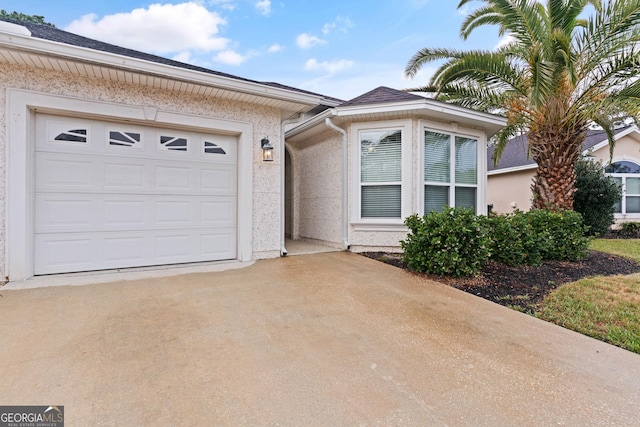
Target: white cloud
[
  {"x": 353, "y": 82},
  {"x": 224, "y": 4},
  {"x": 331, "y": 67},
  {"x": 230, "y": 57},
  {"x": 161, "y": 28},
  {"x": 339, "y": 24},
  {"x": 183, "y": 57},
  {"x": 505, "y": 40},
  {"x": 275, "y": 48},
  {"x": 264, "y": 6},
  {"x": 306, "y": 41}
]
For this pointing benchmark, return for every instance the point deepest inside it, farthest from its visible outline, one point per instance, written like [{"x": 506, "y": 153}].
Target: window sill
[{"x": 380, "y": 226}]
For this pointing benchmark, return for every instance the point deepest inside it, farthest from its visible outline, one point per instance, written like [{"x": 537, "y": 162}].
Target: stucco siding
[
  {"x": 509, "y": 191},
  {"x": 264, "y": 120},
  {"x": 317, "y": 163}
]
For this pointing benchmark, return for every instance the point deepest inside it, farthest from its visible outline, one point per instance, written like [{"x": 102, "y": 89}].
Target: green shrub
[
  {"x": 514, "y": 241},
  {"x": 453, "y": 242},
  {"x": 629, "y": 230},
  {"x": 564, "y": 233},
  {"x": 595, "y": 197}
]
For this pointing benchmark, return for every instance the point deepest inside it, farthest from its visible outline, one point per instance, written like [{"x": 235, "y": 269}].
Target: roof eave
[{"x": 48, "y": 48}]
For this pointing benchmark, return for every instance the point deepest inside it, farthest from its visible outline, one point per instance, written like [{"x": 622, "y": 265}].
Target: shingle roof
[
  {"x": 47, "y": 32},
  {"x": 382, "y": 95},
  {"x": 515, "y": 153}
]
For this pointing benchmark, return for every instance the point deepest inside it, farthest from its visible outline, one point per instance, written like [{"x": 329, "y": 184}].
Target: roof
[
  {"x": 384, "y": 103},
  {"x": 46, "y": 32},
  {"x": 515, "y": 154},
  {"x": 382, "y": 95}
]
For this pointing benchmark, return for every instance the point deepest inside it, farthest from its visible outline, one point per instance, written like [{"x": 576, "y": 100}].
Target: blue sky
[{"x": 337, "y": 48}]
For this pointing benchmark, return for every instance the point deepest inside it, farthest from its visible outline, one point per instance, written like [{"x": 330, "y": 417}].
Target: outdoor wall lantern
[{"x": 267, "y": 150}]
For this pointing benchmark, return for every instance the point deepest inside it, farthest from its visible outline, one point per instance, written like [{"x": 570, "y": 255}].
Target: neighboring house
[
  {"x": 116, "y": 158},
  {"x": 509, "y": 182}
]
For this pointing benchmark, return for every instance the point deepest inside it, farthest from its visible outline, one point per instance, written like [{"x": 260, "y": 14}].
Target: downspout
[
  {"x": 345, "y": 183},
  {"x": 283, "y": 153}
]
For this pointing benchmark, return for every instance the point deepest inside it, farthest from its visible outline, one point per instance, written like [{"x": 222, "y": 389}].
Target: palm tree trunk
[{"x": 556, "y": 153}]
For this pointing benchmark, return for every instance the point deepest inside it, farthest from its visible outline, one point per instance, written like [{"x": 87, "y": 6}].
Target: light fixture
[{"x": 267, "y": 150}]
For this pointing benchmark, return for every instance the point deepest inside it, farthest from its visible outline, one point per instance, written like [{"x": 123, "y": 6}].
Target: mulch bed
[{"x": 522, "y": 288}]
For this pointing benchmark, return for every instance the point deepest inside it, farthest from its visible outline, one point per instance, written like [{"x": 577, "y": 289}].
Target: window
[
  {"x": 450, "y": 171},
  {"x": 627, "y": 175},
  {"x": 381, "y": 174}
]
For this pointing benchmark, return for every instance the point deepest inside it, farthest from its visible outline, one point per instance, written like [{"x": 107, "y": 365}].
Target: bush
[
  {"x": 595, "y": 197},
  {"x": 514, "y": 241},
  {"x": 453, "y": 242},
  {"x": 564, "y": 233},
  {"x": 629, "y": 230}
]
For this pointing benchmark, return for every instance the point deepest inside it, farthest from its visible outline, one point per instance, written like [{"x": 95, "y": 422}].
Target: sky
[{"x": 338, "y": 48}]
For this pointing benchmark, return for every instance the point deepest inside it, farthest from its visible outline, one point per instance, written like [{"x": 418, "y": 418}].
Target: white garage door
[{"x": 113, "y": 195}]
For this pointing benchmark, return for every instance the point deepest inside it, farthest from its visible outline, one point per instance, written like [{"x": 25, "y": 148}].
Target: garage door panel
[
  {"x": 64, "y": 252},
  {"x": 64, "y": 174},
  {"x": 112, "y": 195},
  {"x": 105, "y": 212},
  {"x": 128, "y": 177},
  {"x": 71, "y": 253}
]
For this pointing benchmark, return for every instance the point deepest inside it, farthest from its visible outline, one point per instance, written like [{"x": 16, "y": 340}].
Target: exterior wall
[
  {"x": 509, "y": 191},
  {"x": 317, "y": 169},
  {"x": 264, "y": 121}
]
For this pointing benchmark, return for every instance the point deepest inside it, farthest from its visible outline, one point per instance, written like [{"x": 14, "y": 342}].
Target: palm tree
[{"x": 557, "y": 75}]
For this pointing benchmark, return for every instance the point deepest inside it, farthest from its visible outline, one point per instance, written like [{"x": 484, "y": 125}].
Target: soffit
[{"x": 191, "y": 83}]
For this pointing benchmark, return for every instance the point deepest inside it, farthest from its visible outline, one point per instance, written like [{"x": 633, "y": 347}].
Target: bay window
[{"x": 450, "y": 171}]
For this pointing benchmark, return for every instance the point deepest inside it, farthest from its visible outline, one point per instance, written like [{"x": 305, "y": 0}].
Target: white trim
[
  {"x": 427, "y": 107},
  {"x": 513, "y": 169},
  {"x": 81, "y": 54},
  {"x": 406, "y": 187},
  {"x": 617, "y": 136},
  {"x": 21, "y": 108}
]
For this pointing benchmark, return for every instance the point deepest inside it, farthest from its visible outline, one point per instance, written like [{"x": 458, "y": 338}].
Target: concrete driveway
[{"x": 327, "y": 339}]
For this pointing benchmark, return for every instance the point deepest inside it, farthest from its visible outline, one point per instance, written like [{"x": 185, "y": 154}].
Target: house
[
  {"x": 355, "y": 171},
  {"x": 115, "y": 158},
  {"x": 509, "y": 182}
]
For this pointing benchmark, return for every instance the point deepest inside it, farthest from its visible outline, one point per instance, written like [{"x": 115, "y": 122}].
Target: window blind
[
  {"x": 437, "y": 157},
  {"x": 381, "y": 156},
  {"x": 381, "y": 201},
  {"x": 436, "y": 198},
  {"x": 381, "y": 165},
  {"x": 466, "y": 160},
  {"x": 466, "y": 197}
]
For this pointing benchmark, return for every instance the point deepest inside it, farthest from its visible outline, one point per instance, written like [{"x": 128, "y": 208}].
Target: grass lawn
[
  {"x": 629, "y": 248},
  {"x": 606, "y": 308}
]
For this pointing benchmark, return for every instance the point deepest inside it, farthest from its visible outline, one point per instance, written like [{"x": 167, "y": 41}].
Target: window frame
[
  {"x": 366, "y": 223},
  {"x": 623, "y": 177},
  {"x": 453, "y": 131}
]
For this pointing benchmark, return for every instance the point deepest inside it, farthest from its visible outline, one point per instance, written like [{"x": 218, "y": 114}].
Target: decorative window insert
[
  {"x": 380, "y": 174},
  {"x": 627, "y": 175},
  {"x": 173, "y": 143},
  {"x": 74, "y": 135},
  {"x": 450, "y": 171},
  {"x": 125, "y": 139},
  {"x": 212, "y": 148}
]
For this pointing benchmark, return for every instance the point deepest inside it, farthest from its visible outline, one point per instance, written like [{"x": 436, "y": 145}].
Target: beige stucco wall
[
  {"x": 509, "y": 191},
  {"x": 317, "y": 188},
  {"x": 265, "y": 121}
]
